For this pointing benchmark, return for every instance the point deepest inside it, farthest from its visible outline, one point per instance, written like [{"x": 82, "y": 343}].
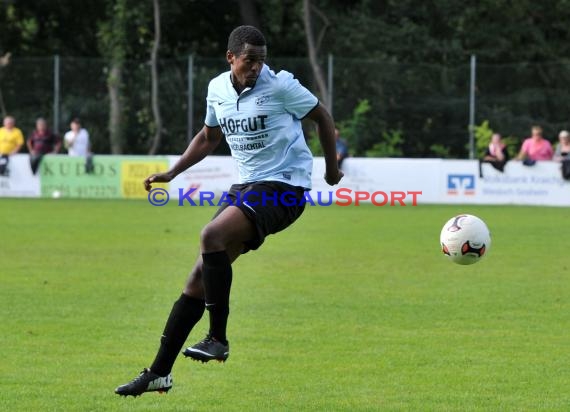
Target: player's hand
[
  {"x": 332, "y": 178},
  {"x": 156, "y": 178}
]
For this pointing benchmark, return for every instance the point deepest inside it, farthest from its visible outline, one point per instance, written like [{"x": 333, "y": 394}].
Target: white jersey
[
  {"x": 262, "y": 126},
  {"x": 77, "y": 145}
]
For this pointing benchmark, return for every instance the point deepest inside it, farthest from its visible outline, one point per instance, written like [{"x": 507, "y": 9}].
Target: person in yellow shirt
[{"x": 11, "y": 141}]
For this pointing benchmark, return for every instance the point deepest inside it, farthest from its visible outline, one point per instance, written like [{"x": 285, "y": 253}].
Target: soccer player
[{"x": 259, "y": 113}]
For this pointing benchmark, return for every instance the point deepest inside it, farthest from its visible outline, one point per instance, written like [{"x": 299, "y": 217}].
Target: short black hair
[{"x": 242, "y": 35}]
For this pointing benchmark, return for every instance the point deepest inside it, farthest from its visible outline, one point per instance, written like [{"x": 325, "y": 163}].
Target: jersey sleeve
[
  {"x": 210, "y": 120},
  {"x": 296, "y": 98}
]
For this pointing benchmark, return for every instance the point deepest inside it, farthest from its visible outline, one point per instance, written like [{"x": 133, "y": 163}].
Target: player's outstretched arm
[
  {"x": 205, "y": 141},
  {"x": 325, "y": 129}
]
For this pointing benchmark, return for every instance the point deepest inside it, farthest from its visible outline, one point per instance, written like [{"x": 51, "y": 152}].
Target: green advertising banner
[{"x": 111, "y": 176}]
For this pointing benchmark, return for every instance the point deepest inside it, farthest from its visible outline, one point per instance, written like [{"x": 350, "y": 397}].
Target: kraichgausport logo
[{"x": 340, "y": 197}]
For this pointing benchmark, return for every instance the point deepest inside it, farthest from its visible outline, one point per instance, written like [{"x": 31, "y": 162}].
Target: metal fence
[{"x": 429, "y": 105}]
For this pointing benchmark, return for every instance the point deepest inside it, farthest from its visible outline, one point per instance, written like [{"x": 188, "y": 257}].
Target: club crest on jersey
[{"x": 261, "y": 99}]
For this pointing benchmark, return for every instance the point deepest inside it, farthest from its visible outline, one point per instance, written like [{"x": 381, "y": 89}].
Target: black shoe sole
[
  {"x": 200, "y": 357},
  {"x": 160, "y": 391}
]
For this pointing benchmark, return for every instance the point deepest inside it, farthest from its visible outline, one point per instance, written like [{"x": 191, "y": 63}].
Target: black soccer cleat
[
  {"x": 207, "y": 350},
  {"x": 147, "y": 381}
]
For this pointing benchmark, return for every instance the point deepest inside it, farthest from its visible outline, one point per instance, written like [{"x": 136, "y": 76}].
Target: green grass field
[{"x": 351, "y": 309}]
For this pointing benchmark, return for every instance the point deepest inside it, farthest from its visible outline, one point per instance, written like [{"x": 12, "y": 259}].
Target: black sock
[
  {"x": 185, "y": 313},
  {"x": 217, "y": 278}
]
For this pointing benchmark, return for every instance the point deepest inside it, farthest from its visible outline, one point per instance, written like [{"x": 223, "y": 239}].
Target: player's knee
[{"x": 212, "y": 239}]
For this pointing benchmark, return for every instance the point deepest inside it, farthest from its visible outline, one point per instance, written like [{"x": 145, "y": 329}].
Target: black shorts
[{"x": 271, "y": 206}]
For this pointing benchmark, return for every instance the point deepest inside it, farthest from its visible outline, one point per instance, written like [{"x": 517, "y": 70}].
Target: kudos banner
[
  {"x": 111, "y": 176},
  {"x": 66, "y": 176}
]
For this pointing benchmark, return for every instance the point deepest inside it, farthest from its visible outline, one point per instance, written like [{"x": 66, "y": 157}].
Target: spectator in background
[
  {"x": 341, "y": 148},
  {"x": 11, "y": 141},
  {"x": 41, "y": 141},
  {"x": 496, "y": 153},
  {"x": 562, "y": 151},
  {"x": 535, "y": 148},
  {"x": 76, "y": 141}
]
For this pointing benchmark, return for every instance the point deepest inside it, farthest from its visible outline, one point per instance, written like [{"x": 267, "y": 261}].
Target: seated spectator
[
  {"x": 41, "y": 141},
  {"x": 535, "y": 148},
  {"x": 341, "y": 148},
  {"x": 562, "y": 151},
  {"x": 11, "y": 141},
  {"x": 496, "y": 153}
]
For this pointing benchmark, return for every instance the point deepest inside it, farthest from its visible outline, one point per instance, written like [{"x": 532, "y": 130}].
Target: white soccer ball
[
  {"x": 465, "y": 239},
  {"x": 56, "y": 194}
]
